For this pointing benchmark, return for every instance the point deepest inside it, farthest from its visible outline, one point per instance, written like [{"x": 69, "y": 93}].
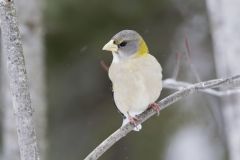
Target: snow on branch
[
  {"x": 184, "y": 91},
  {"x": 23, "y": 112}
]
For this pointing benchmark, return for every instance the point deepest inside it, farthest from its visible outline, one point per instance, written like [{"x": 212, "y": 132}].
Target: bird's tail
[{"x": 137, "y": 128}]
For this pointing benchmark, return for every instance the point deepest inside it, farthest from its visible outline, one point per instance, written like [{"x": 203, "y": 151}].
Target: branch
[
  {"x": 23, "y": 112},
  {"x": 188, "y": 55},
  {"x": 177, "y": 67},
  {"x": 104, "y": 65},
  {"x": 178, "y": 85},
  {"x": 164, "y": 103}
]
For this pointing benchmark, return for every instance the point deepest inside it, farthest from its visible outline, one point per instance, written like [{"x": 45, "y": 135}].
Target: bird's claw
[
  {"x": 155, "y": 106},
  {"x": 132, "y": 120}
]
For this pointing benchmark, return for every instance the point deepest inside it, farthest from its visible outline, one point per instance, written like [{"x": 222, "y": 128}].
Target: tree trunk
[
  {"x": 19, "y": 84},
  {"x": 10, "y": 141},
  {"x": 225, "y": 24},
  {"x": 31, "y": 28},
  {"x": 30, "y": 19}
]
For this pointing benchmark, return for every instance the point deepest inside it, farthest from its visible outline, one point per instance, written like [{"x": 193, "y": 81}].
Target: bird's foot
[
  {"x": 132, "y": 120},
  {"x": 155, "y": 106}
]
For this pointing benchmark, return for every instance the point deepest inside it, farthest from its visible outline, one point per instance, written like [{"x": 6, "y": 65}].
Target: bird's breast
[{"x": 136, "y": 83}]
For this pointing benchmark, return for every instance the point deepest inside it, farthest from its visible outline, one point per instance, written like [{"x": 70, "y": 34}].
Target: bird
[{"x": 136, "y": 76}]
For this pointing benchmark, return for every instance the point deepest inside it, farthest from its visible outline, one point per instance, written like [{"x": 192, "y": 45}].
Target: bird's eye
[{"x": 122, "y": 44}]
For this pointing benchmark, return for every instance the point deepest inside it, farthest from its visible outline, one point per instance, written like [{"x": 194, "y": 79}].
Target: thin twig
[
  {"x": 188, "y": 55},
  {"x": 217, "y": 116},
  {"x": 164, "y": 103},
  {"x": 104, "y": 65},
  {"x": 176, "y": 69},
  {"x": 178, "y": 85}
]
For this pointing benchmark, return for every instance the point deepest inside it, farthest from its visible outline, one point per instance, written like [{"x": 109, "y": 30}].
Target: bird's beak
[{"x": 110, "y": 46}]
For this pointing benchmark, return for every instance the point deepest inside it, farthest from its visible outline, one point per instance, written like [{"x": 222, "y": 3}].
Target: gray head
[{"x": 125, "y": 44}]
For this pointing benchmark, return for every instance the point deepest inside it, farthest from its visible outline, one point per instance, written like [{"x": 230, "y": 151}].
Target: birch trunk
[
  {"x": 31, "y": 28},
  {"x": 225, "y": 24},
  {"x": 19, "y": 86},
  {"x": 30, "y": 19},
  {"x": 10, "y": 141}
]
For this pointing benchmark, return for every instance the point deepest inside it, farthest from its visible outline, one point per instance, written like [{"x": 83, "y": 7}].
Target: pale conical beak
[{"x": 110, "y": 46}]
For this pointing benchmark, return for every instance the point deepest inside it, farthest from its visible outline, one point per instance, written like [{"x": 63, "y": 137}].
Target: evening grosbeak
[{"x": 136, "y": 75}]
